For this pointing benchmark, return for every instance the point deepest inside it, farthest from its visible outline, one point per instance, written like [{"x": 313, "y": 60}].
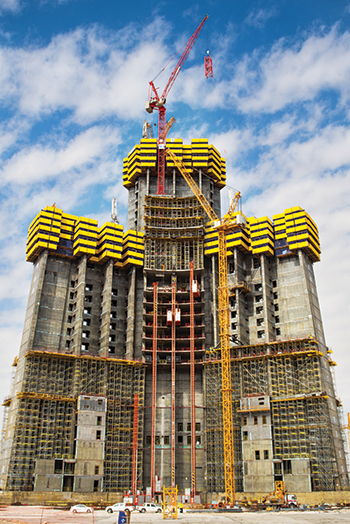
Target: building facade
[{"x": 117, "y": 385}]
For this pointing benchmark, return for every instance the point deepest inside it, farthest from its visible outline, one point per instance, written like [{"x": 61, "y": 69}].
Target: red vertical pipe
[
  {"x": 193, "y": 389},
  {"x": 154, "y": 386}
]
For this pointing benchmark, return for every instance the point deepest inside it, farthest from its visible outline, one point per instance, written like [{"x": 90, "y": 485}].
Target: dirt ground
[{"x": 39, "y": 515}]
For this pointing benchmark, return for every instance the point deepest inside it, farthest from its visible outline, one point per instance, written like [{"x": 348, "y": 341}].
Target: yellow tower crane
[
  {"x": 223, "y": 225},
  {"x": 347, "y": 427}
]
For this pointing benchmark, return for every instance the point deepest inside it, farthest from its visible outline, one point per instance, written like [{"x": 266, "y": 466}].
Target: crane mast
[
  {"x": 158, "y": 102},
  {"x": 228, "y": 223}
]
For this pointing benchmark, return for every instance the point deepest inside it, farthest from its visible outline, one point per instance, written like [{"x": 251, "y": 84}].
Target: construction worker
[{"x": 181, "y": 507}]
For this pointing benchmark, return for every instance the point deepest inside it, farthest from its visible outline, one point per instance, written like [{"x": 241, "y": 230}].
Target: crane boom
[
  {"x": 158, "y": 102},
  {"x": 169, "y": 125},
  {"x": 227, "y": 223},
  {"x": 183, "y": 58}
]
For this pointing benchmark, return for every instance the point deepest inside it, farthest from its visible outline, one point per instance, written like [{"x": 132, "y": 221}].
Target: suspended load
[{"x": 208, "y": 66}]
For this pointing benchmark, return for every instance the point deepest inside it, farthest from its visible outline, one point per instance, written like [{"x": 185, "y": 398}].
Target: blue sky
[{"x": 74, "y": 79}]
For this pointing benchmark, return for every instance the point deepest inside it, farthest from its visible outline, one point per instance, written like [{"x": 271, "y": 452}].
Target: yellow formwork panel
[
  {"x": 106, "y": 246},
  {"x": 111, "y": 226},
  {"x": 132, "y": 261},
  {"x": 280, "y": 228},
  {"x": 264, "y": 250},
  {"x": 80, "y": 250},
  {"x": 66, "y": 236},
  {"x": 132, "y": 232},
  {"x": 280, "y": 236},
  {"x": 67, "y": 216}
]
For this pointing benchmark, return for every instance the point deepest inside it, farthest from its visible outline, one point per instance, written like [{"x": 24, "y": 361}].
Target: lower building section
[
  {"x": 72, "y": 425},
  {"x": 81, "y": 424}
]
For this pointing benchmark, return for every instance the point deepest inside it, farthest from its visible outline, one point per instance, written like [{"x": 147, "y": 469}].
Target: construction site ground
[{"x": 42, "y": 515}]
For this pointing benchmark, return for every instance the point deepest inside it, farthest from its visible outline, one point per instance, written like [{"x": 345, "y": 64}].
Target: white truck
[{"x": 149, "y": 507}]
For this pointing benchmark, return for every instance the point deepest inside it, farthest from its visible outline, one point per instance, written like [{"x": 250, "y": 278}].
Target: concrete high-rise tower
[{"x": 117, "y": 385}]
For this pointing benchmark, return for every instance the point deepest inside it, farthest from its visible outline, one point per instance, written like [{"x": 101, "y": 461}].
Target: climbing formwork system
[{"x": 174, "y": 233}]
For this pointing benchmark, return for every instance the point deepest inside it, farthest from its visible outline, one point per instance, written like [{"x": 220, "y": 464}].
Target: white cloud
[
  {"x": 86, "y": 71},
  {"x": 258, "y": 17},
  {"x": 40, "y": 162},
  {"x": 14, "y": 281},
  {"x": 9, "y": 5},
  {"x": 289, "y": 75}
]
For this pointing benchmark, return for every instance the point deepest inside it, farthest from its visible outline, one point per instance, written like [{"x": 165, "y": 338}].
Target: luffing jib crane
[
  {"x": 223, "y": 225},
  {"x": 158, "y": 102}
]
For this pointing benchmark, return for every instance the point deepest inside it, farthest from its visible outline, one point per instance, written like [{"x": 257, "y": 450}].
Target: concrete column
[
  {"x": 130, "y": 319},
  {"x": 77, "y": 324},
  {"x": 266, "y": 295},
  {"x": 106, "y": 309},
  {"x": 316, "y": 328},
  {"x": 214, "y": 303},
  {"x": 200, "y": 179},
  {"x": 327, "y": 384},
  {"x": 174, "y": 183},
  {"x": 33, "y": 305},
  {"x": 27, "y": 341},
  {"x": 236, "y": 279},
  {"x": 147, "y": 181}
]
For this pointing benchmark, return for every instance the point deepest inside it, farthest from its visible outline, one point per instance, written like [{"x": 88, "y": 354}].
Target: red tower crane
[{"x": 158, "y": 102}]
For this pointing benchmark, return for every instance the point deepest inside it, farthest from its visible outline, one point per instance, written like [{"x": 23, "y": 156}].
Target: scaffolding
[
  {"x": 174, "y": 233},
  {"x": 46, "y": 418},
  {"x": 289, "y": 372}
]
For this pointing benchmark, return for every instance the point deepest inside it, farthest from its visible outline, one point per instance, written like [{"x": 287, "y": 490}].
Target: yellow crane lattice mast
[{"x": 227, "y": 223}]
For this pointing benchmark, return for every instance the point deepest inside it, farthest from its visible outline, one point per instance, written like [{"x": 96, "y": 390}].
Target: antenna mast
[{"x": 114, "y": 214}]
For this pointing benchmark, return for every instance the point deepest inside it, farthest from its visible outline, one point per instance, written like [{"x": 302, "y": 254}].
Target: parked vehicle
[
  {"x": 81, "y": 508},
  {"x": 119, "y": 506},
  {"x": 149, "y": 507}
]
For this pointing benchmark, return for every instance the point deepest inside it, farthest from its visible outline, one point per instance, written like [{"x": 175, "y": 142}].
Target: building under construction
[{"x": 117, "y": 384}]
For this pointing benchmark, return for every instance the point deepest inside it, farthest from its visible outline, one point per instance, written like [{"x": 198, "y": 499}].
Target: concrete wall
[
  {"x": 105, "y": 499},
  {"x": 300, "y": 476}
]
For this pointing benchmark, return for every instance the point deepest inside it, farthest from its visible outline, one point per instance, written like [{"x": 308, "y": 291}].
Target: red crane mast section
[
  {"x": 134, "y": 448},
  {"x": 208, "y": 66},
  {"x": 158, "y": 102},
  {"x": 193, "y": 388},
  {"x": 154, "y": 385},
  {"x": 173, "y": 348}
]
